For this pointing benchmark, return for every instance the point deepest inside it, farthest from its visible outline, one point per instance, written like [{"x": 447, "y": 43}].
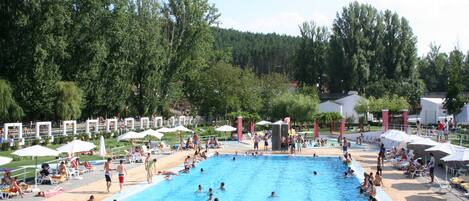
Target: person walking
[
  {"x": 122, "y": 171},
  {"x": 107, "y": 173},
  {"x": 150, "y": 167}
]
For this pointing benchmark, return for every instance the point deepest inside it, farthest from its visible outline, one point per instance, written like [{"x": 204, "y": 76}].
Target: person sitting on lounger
[
  {"x": 45, "y": 170},
  {"x": 7, "y": 180},
  {"x": 63, "y": 169},
  {"x": 15, "y": 188}
]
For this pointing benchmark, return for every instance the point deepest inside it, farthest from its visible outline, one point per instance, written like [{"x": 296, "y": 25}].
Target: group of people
[
  {"x": 293, "y": 143},
  {"x": 10, "y": 184},
  {"x": 210, "y": 191}
]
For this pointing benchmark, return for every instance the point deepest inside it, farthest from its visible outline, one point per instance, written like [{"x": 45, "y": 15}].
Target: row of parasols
[{"x": 452, "y": 152}]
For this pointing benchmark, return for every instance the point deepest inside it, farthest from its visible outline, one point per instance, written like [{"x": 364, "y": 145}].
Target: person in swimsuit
[
  {"x": 14, "y": 187},
  {"x": 107, "y": 173},
  {"x": 150, "y": 167},
  {"x": 378, "y": 180},
  {"x": 121, "y": 170},
  {"x": 199, "y": 189}
]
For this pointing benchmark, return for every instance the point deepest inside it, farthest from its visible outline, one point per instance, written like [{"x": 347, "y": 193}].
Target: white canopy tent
[
  {"x": 394, "y": 138},
  {"x": 424, "y": 141}
]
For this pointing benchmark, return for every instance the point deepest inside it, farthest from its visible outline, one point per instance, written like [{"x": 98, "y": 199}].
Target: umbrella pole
[{"x": 35, "y": 177}]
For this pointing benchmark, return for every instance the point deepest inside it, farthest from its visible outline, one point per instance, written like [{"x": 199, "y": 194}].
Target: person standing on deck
[
  {"x": 107, "y": 173},
  {"x": 121, "y": 170},
  {"x": 431, "y": 167}
]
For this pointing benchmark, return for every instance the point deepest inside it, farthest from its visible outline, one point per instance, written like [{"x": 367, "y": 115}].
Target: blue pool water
[{"x": 254, "y": 178}]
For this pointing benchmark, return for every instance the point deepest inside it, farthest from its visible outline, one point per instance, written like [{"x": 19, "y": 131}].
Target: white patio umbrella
[
  {"x": 443, "y": 147},
  {"x": 36, "y": 151},
  {"x": 263, "y": 123},
  {"x": 76, "y": 146},
  {"x": 424, "y": 141},
  {"x": 279, "y": 122},
  {"x": 226, "y": 128},
  {"x": 102, "y": 147},
  {"x": 459, "y": 154},
  {"x": 166, "y": 130},
  {"x": 151, "y": 132},
  {"x": 182, "y": 129},
  {"x": 5, "y": 160},
  {"x": 130, "y": 136}
]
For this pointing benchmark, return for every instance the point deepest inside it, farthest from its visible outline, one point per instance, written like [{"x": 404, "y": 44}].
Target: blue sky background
[{"x": 443, "y": 22}]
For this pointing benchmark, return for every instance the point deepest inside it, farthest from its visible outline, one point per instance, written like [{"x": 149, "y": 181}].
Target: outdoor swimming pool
[{"x": 254, "y": 178}]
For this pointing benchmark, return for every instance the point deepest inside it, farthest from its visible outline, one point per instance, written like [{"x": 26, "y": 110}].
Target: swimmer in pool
[
  {"x": 222, "y": 186},
  {"x": 315, "y": 173},
  {"x": 273, "y": 194},
  {"x": 199, "y": 188}
]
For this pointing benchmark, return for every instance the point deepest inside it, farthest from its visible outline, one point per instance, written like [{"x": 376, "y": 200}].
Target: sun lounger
[{"x": 443, "y": 186}]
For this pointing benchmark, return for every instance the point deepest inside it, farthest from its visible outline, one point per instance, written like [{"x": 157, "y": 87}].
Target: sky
[{"x": 442, "y": 22}]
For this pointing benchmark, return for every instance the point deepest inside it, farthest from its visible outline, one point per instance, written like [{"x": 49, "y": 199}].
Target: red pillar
[
  {"x": 316, "y": 129},
  {"x": 287, "y": 120},
  {"x": 405, "y": 119},
  {"x": 251, "y": 127},
  {"x": 240, "y": 128},
  {"x": 342, "y": 127},
  {"x": 385, "y": 118}
]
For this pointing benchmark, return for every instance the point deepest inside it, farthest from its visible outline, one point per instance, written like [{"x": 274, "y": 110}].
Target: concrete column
[
  {"x": 405, "y": 120},
  {"x": 316, "y": 128},
  {"x": 385, "y": 119},
  {"x": 37, "y": 131},
  {"x": 240, "y": 128},
  {"x": 342, "y": 127}
]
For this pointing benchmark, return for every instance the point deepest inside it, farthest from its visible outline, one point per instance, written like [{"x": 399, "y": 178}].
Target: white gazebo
[
  {"x": 6, "y": 126},
  {"x": 74, "y": 127},
  {"x": 130, "y": 121},
  {"x": 172, "y": 122},
  {"x": 108, "y": 125},
  {"x": 158, "y": 122},
  {"x": 46, "y": 124},
  {"x": 144, "y": 123},
  {"x": 96, "y": 126}
]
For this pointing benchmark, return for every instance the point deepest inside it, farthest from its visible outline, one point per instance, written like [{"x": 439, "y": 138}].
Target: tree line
[{"x": 77, "y": 59}]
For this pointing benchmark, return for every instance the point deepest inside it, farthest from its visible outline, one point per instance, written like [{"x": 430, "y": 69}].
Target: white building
[
  {"x": 345, "y": 106},
  {"x": 432, "y": 110},
  {"x": 463, "y": 116}
]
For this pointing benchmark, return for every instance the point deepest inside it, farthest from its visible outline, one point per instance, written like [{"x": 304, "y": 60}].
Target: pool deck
[{"x": 396, "y": 185}]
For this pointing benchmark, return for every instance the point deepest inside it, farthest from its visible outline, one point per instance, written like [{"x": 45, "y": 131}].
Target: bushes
[{"x": 5, "y": 146}]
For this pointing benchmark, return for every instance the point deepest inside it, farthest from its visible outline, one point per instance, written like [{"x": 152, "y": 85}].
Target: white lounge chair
[{"x": 444, "y": 186}]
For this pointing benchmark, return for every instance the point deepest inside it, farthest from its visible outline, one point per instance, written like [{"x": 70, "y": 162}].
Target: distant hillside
[{"x": 264, "y": 53}]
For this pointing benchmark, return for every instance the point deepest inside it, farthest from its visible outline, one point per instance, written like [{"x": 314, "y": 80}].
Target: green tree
[
  {"x": 328, "y": 118},
  {"x": 148, "y": 51},
  {"x": 68, "y": 101},
  {"x": 433, "y": 69},
  {"x": 312, "y": 55},
  {"x": 454, "y": 96},
  {"x": 272, "y": 85},
  {"x": 9, "y": 109},
  {"x": 300, "y": 107},
  {"x": 187, "y": 39}
]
